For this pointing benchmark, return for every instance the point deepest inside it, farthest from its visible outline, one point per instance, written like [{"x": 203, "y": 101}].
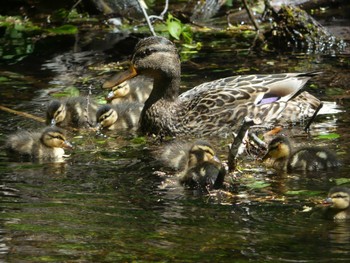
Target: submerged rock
[{"x": 293, "y": 29}]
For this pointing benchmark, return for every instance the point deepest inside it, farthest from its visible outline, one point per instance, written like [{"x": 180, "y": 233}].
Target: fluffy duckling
[
  {"x": 71, "y": 112},
  {"x": 338, "y": 203},
  {"x": 46, "y": 145},
  {"x": 307, "y": 159},
  {"x": 119, "y": 116},
  {"x": 198, "y": 165},
  {"x": 137, "y": 89}
]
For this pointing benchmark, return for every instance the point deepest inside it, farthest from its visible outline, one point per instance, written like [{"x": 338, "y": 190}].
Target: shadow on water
[{"x": 106, "y": 204}]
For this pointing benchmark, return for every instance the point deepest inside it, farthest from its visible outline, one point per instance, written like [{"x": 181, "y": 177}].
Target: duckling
[
  {"x": 307, "y": 159},
  {"x": 338, "y": 203},
  {"x": 119, "y": 116},
  {"x": 46, "y": 145},
  {"x": 136, "y": 90},
  {"x": 204, "y": 169},
  {"x": 71, "y": 112},
  {"x": 198, "y": 165},
  {"x": 214, "y": 107}
]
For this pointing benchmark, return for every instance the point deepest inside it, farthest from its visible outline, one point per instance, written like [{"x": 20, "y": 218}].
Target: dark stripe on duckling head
[{"x": 102, "y": 110}]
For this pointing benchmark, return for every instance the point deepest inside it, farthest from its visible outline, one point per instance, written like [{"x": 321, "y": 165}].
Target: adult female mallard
[
  {"x": 46, "y": 145},
  {"x": 74, "y": 112},
  {"x": 119, "y": 116},
  {"x": 198, "y": 166},
  {"x": 338, "y": 203},
  {"x": 216, "y": 106},
  {"x": 308, "y": 158}
]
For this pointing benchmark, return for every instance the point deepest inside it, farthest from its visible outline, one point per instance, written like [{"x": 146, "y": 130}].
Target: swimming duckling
[
  {"x": 338, "y": 203},
  {"x": 198, "y": 165},
  {"x": 308, "y": 159},
  {"x": 71, "y": 112},
  {"x": 136, "y": 90},
  {"x": 119, "y": 116},
  {"x": 204, "y": 169},
  {"x": 46, "y": 145}
]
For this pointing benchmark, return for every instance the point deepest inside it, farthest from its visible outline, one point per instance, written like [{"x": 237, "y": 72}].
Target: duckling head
[
  {"x": 201, "y": 151},
  {"x": 106, "y": 116},
  {"x": 155, "y": 57},
  {"x": 56, "y": 112},
  {"x": 338, "y": 198},
  {"x": 54, "y": 137},
  {"x": 278, "y": 148},
  {"x": 119, "y": 91}
]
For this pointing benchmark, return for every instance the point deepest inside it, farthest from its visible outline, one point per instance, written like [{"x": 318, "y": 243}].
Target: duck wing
[{"x": 224, "y": 102}]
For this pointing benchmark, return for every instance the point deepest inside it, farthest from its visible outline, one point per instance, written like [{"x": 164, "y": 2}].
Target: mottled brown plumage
[{"x": 216, "y": 106}]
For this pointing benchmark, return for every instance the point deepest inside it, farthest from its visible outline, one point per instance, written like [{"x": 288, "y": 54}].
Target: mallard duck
[
  {"x": 133, "y": 90},
  {"x": 338, "y": 203},
  {"x": 74, "y": 112},
  {"x": 308, "y": 159},
  {"x": 216, "y": 106},
  {"x": 119, "y": 116},
  {"x": 198, "y": 166},
  {"x": 46, "y": 145}
]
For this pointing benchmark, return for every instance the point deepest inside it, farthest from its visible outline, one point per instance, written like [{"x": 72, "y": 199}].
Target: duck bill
[
  {"x": 327, "y": 202},
  {"x": 67, "y": 145},
  {"x": 53, "y": 122},
  {"x": 110, "y": 96},
  {"x": 120, "y": 78}
]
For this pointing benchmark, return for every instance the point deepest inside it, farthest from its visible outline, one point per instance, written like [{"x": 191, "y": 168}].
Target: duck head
[
  {"x": 278, "y": 148},
  {"x": 200, "y": 152},
  {"x": 106, "y": 116},
  {"x": 54, "y": 137},
  {"x": 56, "y": 112},
  {"x": 338, "y": 198},
  {"x": 155, "y": 57}
]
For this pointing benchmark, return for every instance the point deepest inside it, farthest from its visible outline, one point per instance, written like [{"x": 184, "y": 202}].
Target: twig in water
[
  {"x": 251, "y": 16},
  {"x": 233, "y": 151},
  {"x": 23, "y": 114}
]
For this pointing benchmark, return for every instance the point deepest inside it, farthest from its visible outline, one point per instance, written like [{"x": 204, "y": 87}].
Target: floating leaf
[
  {"x": 139, "y": 140},
  {"x": 64, "y": 30},
  {"x": 340, "y": 181},
  {"x": 67, "y": 92},
  {"x": 329, "y": 136},
  {"x": 304, "y": 193},
  {"x": 258, "y": 185}
]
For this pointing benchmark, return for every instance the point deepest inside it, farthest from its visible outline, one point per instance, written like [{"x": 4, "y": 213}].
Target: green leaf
[
  {"x": 64, "y": 30},
  {"x": 340, "y": 181},
  {"x": 67, "y": 92},
  {"x": 175, "y": 29},
  {"x": 258, "y": 185},
  {"x": 328, "y": 136},
  {"x": 304, "y": 193}
]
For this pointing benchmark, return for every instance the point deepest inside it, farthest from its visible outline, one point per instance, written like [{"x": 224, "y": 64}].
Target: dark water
[{"x": 106, "y": 204}]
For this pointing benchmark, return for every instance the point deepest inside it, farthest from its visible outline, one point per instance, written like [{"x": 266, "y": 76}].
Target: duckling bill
[
  {"x": 30, "y": 146},
  {"x": 308, "y": 159}
]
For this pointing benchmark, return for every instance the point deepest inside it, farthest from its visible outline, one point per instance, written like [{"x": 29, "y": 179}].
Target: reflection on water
[{"x": 107, "y": 203}]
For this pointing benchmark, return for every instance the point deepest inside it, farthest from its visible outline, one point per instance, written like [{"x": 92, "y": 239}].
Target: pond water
[{"x": 105, "y": 203}]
